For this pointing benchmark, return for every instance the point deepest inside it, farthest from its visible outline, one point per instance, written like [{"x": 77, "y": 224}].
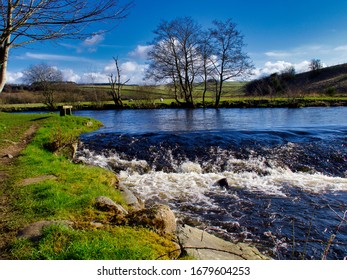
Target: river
[{"x": 283, "y": 171}]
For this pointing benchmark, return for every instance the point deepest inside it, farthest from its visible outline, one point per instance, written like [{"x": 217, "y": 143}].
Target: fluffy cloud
[
  {"x": 140, "y": 52},
  {"x": 14, "y": 77},
  {"x": 94, "y": 40},
  {"x": 70, "y": 76},
  {"x": 130, "y": 70},
  {"x": 278, "y": 66},
  {"x": 94, "y": 78}
]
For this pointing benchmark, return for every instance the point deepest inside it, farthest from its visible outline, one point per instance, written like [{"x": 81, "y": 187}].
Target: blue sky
[{"x": 278, "y": 34}]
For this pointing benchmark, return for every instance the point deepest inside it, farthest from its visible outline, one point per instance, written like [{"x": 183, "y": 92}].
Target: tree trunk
[
  {"x": 4, "y": 52},
  {"x": 219, "y": 93}
]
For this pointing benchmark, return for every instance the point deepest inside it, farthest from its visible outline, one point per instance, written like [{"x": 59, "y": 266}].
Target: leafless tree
[
  {"x": 27, "y": 21},
  {"x": 315, "y": 65},
  {"x": 174, "y": 56},
  {"x": 116, "y": 85},
  {"x": 229, "y": 59},
  {"x": 46, "y": 79},
  {"x": 205, "y": 51}
]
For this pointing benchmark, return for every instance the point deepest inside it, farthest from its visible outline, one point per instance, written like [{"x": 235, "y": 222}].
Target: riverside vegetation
[
  {"x": 37, "y": 185},
  {"x": 53, "y": 208}
]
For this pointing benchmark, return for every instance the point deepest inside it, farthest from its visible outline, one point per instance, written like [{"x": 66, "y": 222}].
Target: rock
[
  {"x": 130, "y": 199},
  {"x": 159, "y": 217},
  {"x": 222, "y": 183},
  {"x": 34, "y": 231},
  {"x": 205, "y": 246},
  {"x": 8, "y": 156},
  {"x": 35, "y": 180},
  {"x": 104, "y": 203},
  {"x": 96, "y": 225}
]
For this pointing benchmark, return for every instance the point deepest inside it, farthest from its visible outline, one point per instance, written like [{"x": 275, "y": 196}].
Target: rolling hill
[{"x": 326, "y": 81}]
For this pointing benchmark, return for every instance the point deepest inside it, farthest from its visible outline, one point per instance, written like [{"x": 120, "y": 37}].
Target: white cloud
[
  {"x": 70, "y": 76},
  {"x": 278, "y": 66},
  {"x": 45, "y": 56},
  {"x": 14, "y": 77},
  {"x": 94, "y": 40},
  {"x": 341, "y": 48},
  {"x": 131, "y": 67},
  {"x": 141, "y": 52},
  {"x": 94, "y": 78},
  {"x": 90, "y": 44},
  {"x": 131, "y": 70},
  {"x": 278, "y": 54}
]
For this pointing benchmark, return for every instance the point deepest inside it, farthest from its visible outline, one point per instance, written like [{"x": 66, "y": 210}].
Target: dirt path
[{"x": 8, "y": 155}]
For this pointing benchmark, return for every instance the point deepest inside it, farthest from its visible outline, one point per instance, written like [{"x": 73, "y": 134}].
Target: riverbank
[
  {"x": 40, "y": 186},
  {"x": 48, "y": 208},
  {"x": 236, "y": 102}
]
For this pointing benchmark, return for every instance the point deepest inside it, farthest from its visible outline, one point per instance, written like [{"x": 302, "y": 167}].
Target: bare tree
[
  {"x": 315, "y": 65},
  {"x": 116, "y": 85},
  {"x": 205, "y": 51},
  {"x": 27, "y": 21},
  {"x": 46, "y": 79},
  {"x": 174, "y": 56},
  {"x": 229, "y": 59}
]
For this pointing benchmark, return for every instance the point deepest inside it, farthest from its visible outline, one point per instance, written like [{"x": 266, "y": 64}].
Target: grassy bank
[
  {"x": 226, "y": 102},
  {"x": 66, "y": 192}
]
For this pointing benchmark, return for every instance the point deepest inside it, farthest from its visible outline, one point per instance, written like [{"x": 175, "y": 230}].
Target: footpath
[{"x": 7, "y": 156}]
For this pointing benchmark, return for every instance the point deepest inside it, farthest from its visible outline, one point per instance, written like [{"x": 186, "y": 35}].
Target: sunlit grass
[
  {"x": 68, "y": 194},
  {"x": 61, "y": 243}
]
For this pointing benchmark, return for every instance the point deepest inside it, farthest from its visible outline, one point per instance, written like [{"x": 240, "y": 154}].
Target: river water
[{"x": 283, "y": 171}]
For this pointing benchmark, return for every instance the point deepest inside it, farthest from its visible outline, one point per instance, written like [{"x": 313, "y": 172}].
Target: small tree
[
  {"x": 46, "y": 79},
  {"x": 288, "y": 73},
  {"x": 116, "y": 85},
  {"x": 315, "y": 65}
]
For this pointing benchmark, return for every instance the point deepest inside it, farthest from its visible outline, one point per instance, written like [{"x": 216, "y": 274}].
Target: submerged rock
[{"x": 222, "y": 183}]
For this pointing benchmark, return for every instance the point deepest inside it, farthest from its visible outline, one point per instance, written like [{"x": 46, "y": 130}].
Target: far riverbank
[{"x": 164, "y": 104}]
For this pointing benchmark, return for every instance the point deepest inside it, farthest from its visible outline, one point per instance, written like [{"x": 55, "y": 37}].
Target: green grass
[
  {"x": 12, "y": 128},
  {"x": 69, "y": 195},
  {"x": 61, "y": 243}
]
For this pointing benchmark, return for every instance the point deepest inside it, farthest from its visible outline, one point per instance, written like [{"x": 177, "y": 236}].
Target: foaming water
[{"x": 283, "y": 184}]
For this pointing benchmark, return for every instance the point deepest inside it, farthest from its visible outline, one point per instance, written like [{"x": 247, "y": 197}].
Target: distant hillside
[{"x": 329, "y": 81}]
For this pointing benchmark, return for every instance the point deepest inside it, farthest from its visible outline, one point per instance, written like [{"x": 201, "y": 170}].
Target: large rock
[
  {"x": 130, "y": 199},
  {"x": 204, "y": 246},
  {"x": 104, "y": 203},
  {"x": 159, "y": 217}
]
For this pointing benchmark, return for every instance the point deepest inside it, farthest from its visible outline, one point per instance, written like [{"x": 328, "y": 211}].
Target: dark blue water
[{"x": 285, "y": 169}]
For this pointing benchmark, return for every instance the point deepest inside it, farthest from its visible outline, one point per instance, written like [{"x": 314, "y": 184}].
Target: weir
[{"x": 285, "y": 185}]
